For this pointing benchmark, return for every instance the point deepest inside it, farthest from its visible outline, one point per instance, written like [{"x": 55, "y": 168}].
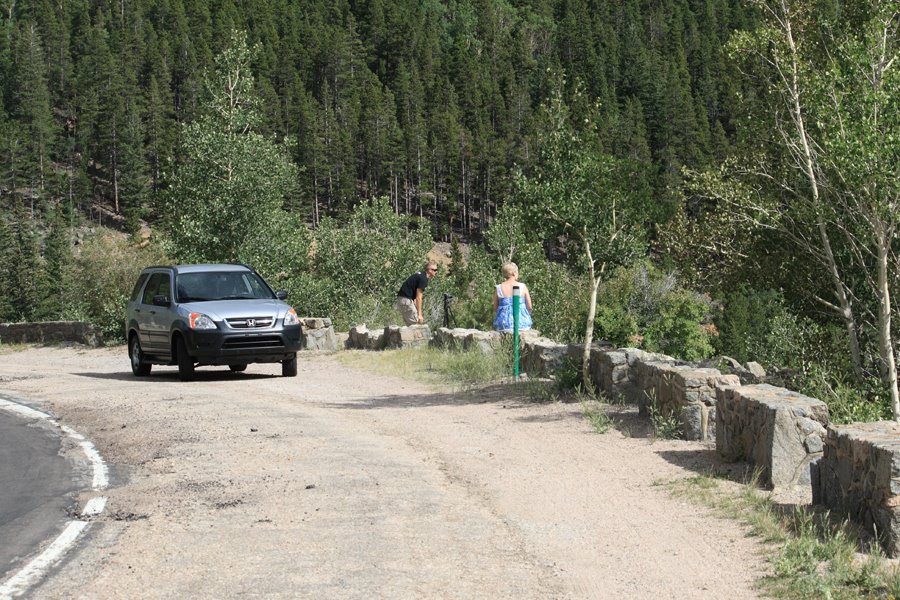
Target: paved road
[{"x": 37, "y": 487}]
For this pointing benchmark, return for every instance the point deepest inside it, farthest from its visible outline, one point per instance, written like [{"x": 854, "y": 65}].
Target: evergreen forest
[{"x": 698, "y": 177}]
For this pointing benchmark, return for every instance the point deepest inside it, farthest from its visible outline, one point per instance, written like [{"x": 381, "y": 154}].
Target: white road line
[{"x": 35, "y": 570}]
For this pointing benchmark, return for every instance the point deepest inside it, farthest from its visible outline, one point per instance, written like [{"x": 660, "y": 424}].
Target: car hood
[{"x": 219, "y": 310}]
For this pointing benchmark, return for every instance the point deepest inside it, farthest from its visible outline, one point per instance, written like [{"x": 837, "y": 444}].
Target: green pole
[{"x": 516, "y": 299}]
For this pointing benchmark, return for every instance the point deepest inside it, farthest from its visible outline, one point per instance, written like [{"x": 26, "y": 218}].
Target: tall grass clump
[
  {"x": 473, "y": 366},
  {"x": 813, "y": 555}
]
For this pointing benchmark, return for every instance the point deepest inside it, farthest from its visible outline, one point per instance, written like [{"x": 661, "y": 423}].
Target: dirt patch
[{"x": 344, "y": 484}]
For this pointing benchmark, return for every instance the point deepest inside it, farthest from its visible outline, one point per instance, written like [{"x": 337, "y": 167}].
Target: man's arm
[{"x": 419, "y": 305}]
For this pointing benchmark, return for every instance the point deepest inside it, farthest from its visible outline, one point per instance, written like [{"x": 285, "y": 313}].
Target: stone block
[
  {"x": 406, "y": 337},
  {"x": 859, "y": 478},
  {"x": 539, "y": 356},
  {"x": 486, "y": 341},
  {"x": 342, "y": 339},
  {"x": 771, "y": 428},
  {"x": 317, "y": 334},
  {"x": 756, "y": 369},
  {"x": 358, "y": 337}
]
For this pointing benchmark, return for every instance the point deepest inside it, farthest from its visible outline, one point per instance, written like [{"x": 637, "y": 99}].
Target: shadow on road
[
  {"x": 172, "y": 375},
  {"x": 706, "y": 461}
]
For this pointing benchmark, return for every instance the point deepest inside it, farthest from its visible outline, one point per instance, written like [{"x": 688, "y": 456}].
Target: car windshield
[{"x": 221, "y": 285}]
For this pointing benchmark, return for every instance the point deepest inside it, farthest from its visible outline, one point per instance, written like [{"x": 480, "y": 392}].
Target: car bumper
[{"x": 217, "y": 347}]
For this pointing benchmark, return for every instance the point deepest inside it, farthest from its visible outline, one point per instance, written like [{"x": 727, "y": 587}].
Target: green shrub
[
  {"x": 640, "y": 306},
  {"x": 756, "y": 325},
  {"x": 847, "y": 403},
  {"x": 349, "y": 271},
  {"x": 106, "y": 269},
  {"x": 678, "y": 328}
]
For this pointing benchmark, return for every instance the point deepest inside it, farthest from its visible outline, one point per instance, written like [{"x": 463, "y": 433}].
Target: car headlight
[
  {"x": 290, "y": 317},
  {"x": 201, "y": 321}
]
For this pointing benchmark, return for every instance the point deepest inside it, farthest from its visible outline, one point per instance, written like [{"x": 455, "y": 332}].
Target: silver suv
[{"x": 224, "y": 314}]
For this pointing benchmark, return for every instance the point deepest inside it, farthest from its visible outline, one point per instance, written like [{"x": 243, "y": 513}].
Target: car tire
[
  {"x": 185, "y": 360},
  {"x": 238, "y": 368},
  {"x": 139, "y": 366},
  {"x": 289, "y": 367}
]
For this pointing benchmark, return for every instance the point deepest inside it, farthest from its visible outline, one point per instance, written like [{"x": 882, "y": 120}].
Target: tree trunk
[
  {"x": 884, "y": 323},
  {"x": 589, "y": 325},
  {"x": 808, "y": 165}
]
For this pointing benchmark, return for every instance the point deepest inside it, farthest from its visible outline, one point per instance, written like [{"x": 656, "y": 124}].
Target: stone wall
[
  {"x": 775, "y": 429},
  {"x": 463, "y": 339},
  {"x": 317, "y": 334},
  {"x": 361, "y": 338},
  {"x": 407, "y": 337},
  {"x": 689, "y": 393},
  {"x": 859, "y": 478},
  {"x": 51, "y": 332},
  {"x": 540, "y": 356}
]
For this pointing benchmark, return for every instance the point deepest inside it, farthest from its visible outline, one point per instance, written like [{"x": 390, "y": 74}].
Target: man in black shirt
[{"x": 409, "y": 298}]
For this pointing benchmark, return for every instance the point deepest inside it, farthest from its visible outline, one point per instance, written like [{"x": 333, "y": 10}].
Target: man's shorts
[{"x": 407, "y": 309}]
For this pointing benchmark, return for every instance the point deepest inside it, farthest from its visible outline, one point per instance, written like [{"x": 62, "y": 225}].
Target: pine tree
[
  {"x": 24, "y": 278},
  {"x": 31, "y": 109},
  {"x": 57, "y": 271}
]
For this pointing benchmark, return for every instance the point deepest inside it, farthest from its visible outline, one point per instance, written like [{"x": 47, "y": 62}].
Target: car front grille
[
  {"x": 253, "y": 343},
  {"x": 250, "y": 322}
]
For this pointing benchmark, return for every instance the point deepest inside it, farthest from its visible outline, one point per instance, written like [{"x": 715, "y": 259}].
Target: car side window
[
  {"x": 136, "y": 292},
  {"x": 158, "y": 285}
]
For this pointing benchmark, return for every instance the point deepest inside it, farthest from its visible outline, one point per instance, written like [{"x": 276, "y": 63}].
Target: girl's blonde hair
[{"x": 509, "y": 269}]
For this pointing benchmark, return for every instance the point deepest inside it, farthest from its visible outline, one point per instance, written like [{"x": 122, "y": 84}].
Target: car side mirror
[
  {"x": 281, "y": 294},
  {"x": 161, "y": 300}
]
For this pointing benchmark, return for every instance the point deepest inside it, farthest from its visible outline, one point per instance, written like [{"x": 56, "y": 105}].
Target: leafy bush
[
  {"x": 756, "y": 325},
  {"x": 106, "y": 269},
  {"x": 847, "y": 403},
  {"x": 358, "y": 266},
  {"x": 641, "y": 306},
  {"x": 678, "y": 328}
]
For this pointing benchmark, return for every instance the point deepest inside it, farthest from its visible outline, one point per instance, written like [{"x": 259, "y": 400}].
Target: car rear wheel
[
  {"x": 289, "y": 367},
  {"x": 185, "y": 361},
  {"x": 237, "y": 368},
  {"x": 138, "y": 366}
]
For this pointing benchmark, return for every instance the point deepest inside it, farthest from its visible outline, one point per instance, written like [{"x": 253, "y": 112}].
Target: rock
[{"x": 756, "y": 370}]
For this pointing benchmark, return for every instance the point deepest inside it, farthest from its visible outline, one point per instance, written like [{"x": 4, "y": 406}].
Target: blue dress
[{"x": 503, "y": 321}]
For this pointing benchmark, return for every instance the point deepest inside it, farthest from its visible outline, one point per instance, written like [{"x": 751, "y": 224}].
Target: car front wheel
[
  {"x": 185, "y": 361},
  {"x": 289, "y": 367},
  {"x": 138, "y": 366},
  {"x": 238, "y": 368}
]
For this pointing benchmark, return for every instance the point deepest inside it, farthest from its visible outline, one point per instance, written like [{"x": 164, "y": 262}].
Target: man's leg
[{"x": 407, "y": 310}]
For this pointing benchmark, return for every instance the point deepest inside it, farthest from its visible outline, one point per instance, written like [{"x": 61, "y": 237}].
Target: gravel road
[{"x": 344, "y": 484}]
